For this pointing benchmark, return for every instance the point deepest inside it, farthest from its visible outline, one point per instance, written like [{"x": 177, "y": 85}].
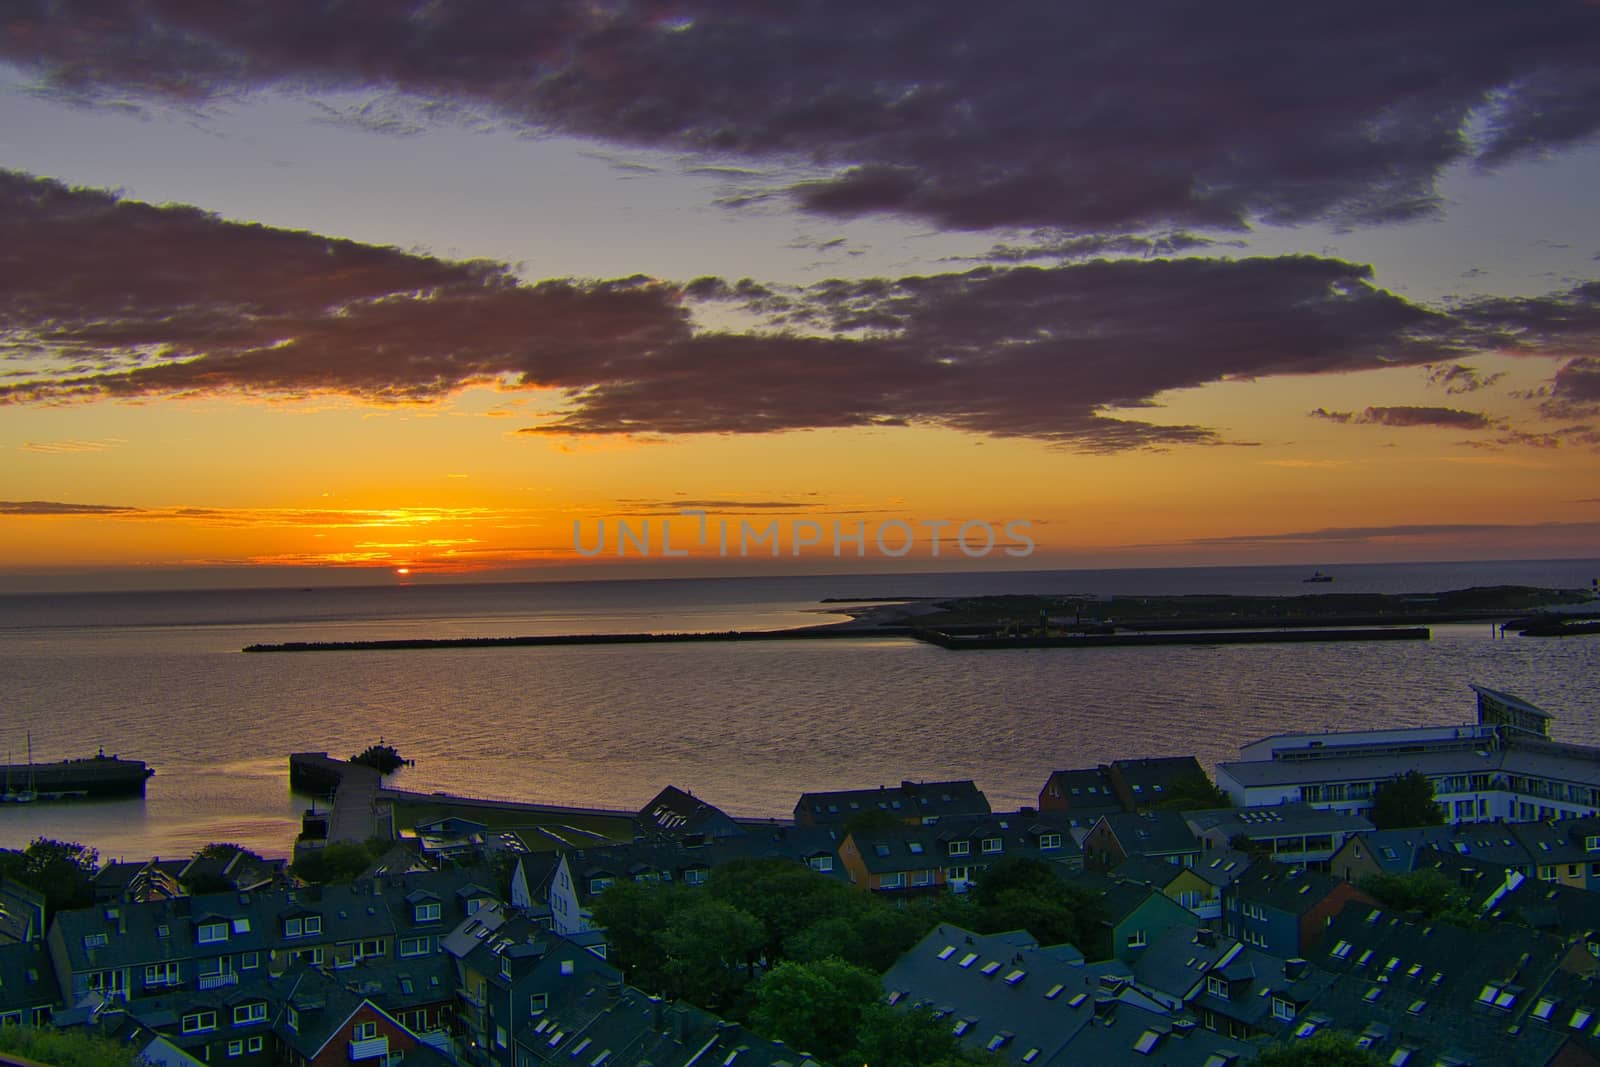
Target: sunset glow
[{"x": 377, "y": 327}]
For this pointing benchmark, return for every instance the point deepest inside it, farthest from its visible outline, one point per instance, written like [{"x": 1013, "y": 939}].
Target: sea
[{"x": 160, "y": 676}]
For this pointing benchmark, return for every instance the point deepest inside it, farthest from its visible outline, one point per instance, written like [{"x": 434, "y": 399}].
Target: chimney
[{"x": 1294, "y": 969}]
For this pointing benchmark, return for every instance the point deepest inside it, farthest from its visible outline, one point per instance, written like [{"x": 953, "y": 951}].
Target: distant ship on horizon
[{"x": 1318, "y": 577}]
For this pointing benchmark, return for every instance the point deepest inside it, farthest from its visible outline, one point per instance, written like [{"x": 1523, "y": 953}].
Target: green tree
[
  {"x": 1330, "y": 1048},
  {"x": 64, "y": 1048},
  {"x": 785, "y": 896},
  {"x": 633, "y": 916},
  {"x": 61, "y": 870},
  {"x": 338, "y": 861},
  {"x": 1026, "y": 894},
  {"x": 1427, "y": 891},
  {"x": 873, "y": 935},
  {"x": 816, "y": 1007},
  {"x": 1406, "y": 800},
  {"x": 1193, "y": 792},
  {"x": 889, "y": 1038},
  {"x": 709, "y": 949}
]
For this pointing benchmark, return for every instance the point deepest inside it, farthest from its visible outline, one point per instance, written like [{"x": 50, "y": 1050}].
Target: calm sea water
[{"x": 159, "y": 677}]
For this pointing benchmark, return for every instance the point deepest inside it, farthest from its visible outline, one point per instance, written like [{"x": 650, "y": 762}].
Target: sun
[{"x": 402, "y": 571}]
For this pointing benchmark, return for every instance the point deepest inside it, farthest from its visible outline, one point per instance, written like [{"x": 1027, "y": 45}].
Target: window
[
  {"x": 292, "y": 1018},
  {"x": 820, "y": 863},
  {"x": 891, "y": 881},
  {"x": 255, "y": 1044},
  {"x": 922, "y": 878},
  {"x": 241, "y": 926},
  {"x": 915, "y": 847},
  {"x": 1340, "y": 950},
  {"x": 212, "y": 932},
  {"x": 537, "y": 1002},
  {"x": 212, "y": 968},
  {"x": 250, "y": 1013},
  {"x": 988, "y": 969},
  {"x": 313, "y": 924},
  {"x": 599, "y": 885},
  {"x": 364, "y": 1031},
  {"x": 1049, "y": 841},
  {"x": 199, "y": 1022},
  {"x": 415, "y": 946},
  {"x": 1282, "y": 1009},
  {"x": 292, "y": 927},
  {"x": 960, "y": 848},
  {"x": 694, "y": 876},
  {"x": 370, "y": 948},
  {"x": 1544, "y": 1008},
  {"x": 249, "y": 961},
  {"x": 993, "y": 844},
  {"x": 1137, "y": 939},
  {"x": 235, "y": 1048},
  {"x": 1580, "y": 1018},
  {"x": 946, "y": 952},
  {"x": 427, "y": 913},
  {"x": 1217, "y": 987},
  {"x": 968, "y": 960},
  {"x": 161, "y": 974}
]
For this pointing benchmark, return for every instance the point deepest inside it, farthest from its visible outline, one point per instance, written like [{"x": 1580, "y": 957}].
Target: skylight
[
  {"x": 946, "y": 952},
  {"x": 1147, "y": 1042},
  {"x": 968, "y": 960}
]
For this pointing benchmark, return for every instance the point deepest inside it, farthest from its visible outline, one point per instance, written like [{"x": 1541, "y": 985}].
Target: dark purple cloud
[
  {"x": 1404, "y": 415},
  {"x": 1089, "y": 117},
  {"x": 1458, "y": 378},
  {"x": 53, "y": 507},
  {"x": 113, "y": 299}
]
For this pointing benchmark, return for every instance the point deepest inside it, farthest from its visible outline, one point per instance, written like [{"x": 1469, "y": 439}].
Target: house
[
  {"x": 141, "y": 881},
  {"x": 229, "y": 867},
  {"x": 324, "y": 1023},
  {"x": 953, "y": 852},
  {"x": 1419, "y": 993},
  {"x": 1398, "y": 851},
  {"x": 1197, "y": 888},
  {"x": 224, "y": 939},
  {"x": 1122, "y": 785},
  {"x": 230, "y": 1024},
  {"x": 28, "y": 990},
  {"x": 1231, "y": 988},
  {"x": 1143, "y": 783},
  {"x": 999, "y": 992},
  {"x": 1163, "y": 835},
  {"x": 1491, "y": 770},
  {"x": 676, "y": 814},
  {"x": 1135, "y": 915},
  {"x": 1294, "y": 833},
  {"x": 1084, "y": 795},
  {"x": 451, "y": 838},
  {"x": 902, "y": 860},
  {"x": 580, "y": 875},
  {"x": 590, "y": 1023},
  {"x": 914, "y": 802},
  {"x": 1283, "y": 910},
  {"x": 21, "y": 913}
]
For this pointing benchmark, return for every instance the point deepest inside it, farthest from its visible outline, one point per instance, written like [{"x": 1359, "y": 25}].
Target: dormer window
[
  {"x": 960, "y": 848},
  {"x": 1217, "y": 987},
  {"x": 292, "y": 927},
  {"x": 427, "y": 913},
  {"x": 993, "y": 844},
  {"x": 1049, "y": 841},
  {"x": 1282, "y": 1009},
  {"x": 212, "y": 932},
  {"x": 313, "y": 924}
]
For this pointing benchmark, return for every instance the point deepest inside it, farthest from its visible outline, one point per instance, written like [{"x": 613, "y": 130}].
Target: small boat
[{"x": 1318, "y": 577}]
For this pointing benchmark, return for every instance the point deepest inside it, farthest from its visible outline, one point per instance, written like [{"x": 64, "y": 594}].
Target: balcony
[
  {"x": 371, "y": 1048},
  {"x": 218, "y": 981}
]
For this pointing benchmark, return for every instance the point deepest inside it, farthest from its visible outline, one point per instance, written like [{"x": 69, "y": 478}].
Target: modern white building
[{"x": 1504, "y": 767}]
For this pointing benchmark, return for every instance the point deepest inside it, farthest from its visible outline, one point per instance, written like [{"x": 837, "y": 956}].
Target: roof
[
  {"x": 1285, "y": 888},
  {"x": 1151, "y": 833},
  {"x": 1438, "y": 989},
  {"x": 1277, "y": 820},
  {"x": 1035, "y": 835},
  {"x": 26, "y": 978},
  {"x": 677, "y": 813},
  {"x": 910, "y": 800},
  {"x": 998, "y": 983},
  {"x": 1515, "y": 703}
]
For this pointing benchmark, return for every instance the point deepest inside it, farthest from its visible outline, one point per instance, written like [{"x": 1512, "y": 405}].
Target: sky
[{"x": 397, "y": 291}]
